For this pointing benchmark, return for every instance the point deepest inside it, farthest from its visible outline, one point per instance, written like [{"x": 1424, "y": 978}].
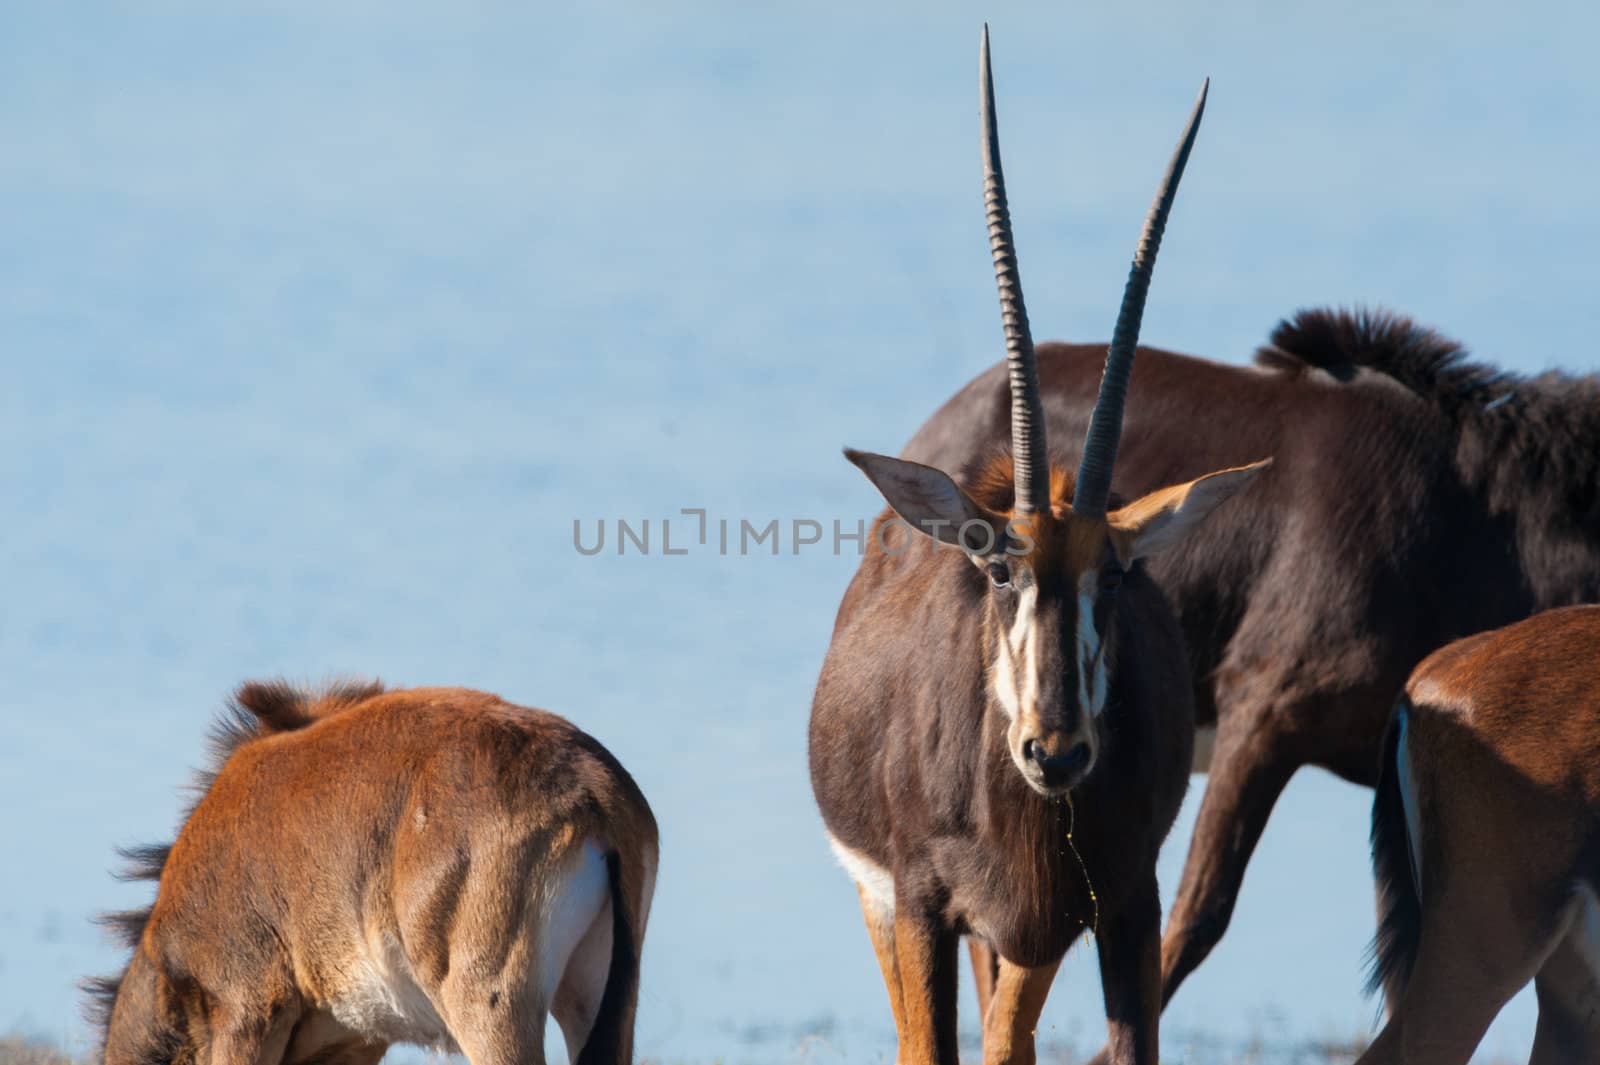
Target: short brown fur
[
  {"x": 1417, "y": 496},
  {"x": 1497, "y": 748},
  {"x": 916, "y": 771},
  {"x": 418, "y": 833}
]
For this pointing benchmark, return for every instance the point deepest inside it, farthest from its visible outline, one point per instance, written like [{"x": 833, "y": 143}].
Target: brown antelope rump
[
  {"x": 365, "y": 867},
  {"x": 1001, "y": 732},
  {"x": 1486, "y": 844},
  {"x": 1416, "y": 497}
]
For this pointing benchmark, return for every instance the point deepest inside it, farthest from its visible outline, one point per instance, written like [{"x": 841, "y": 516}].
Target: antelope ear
[
  {"x": 1155, "y": 522},
  {"x": 930, "y": 502}
]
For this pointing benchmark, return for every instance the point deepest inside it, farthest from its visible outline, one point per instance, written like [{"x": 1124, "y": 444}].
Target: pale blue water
[{"x": 320, "y": 329}]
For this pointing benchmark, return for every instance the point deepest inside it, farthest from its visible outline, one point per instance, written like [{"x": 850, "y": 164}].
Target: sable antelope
[
  {"x": 1416, "y": 497},
  {"x": 1486, "y": 844},
  {"x": 366, "y": 867},
  {"x": 1002, "y": 729}
]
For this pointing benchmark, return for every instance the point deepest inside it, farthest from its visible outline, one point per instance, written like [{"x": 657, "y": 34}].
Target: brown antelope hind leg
[
  {"x": 496, "y": 1001},
  {"x": 925, "y": 959},
  {"x": 1476, "y": 949},
  {"x": 1129, "y": 944},
  {"x": 1569, "y": 1000},
  {"x": 985, "y": 973},
  {"x": 512, "y": 1035},
  {"x": 1012, "y": 1016},
  {"x": 1250, "y": 767}
]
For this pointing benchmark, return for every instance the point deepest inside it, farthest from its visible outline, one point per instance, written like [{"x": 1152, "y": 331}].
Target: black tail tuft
[
  {"x": 1394, "y": 949},
  {"x": 610, "y": 1041}
]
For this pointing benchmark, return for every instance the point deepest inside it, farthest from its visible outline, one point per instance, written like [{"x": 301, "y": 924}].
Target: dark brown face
[
  {"x": 1050, "y": 610},
  {"x": 1051, "y": 645}
]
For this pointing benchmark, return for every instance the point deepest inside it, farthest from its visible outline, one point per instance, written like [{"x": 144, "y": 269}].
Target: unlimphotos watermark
[{"x": 697, "y": 531}]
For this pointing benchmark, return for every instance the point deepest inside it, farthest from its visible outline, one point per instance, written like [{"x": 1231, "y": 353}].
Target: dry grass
[{"x": 20, "y": 1050}]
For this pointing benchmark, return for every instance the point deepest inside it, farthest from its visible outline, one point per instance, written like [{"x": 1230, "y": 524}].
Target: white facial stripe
[
  {"x": 1091, "y": 667},
  {"x": 1028, "y": 630},
  {"x": 1017, "y": 687},
  {"x": 1015, "y": 676}
]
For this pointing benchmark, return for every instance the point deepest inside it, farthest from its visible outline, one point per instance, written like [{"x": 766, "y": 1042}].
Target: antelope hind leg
[
  {"x": 1249, "y": 770},
  {"x": 1470, "y": 960},
  {"x": 516, "y": 961},
  {"x": 1569, "y": 993}
]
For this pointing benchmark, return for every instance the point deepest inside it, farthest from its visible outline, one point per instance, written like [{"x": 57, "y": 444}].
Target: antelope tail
[
  {"x": 610, "y": 1041},
  {"x": 1394, "y": 949}
]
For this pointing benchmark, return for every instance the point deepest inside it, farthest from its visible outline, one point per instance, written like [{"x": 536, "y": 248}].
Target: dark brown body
[
  {"x": 910, "y": 769},
  {"x": 1490, "y": 797},
  {"x": 1410, "y": 503},
  {"x": 433, "y": 866}
]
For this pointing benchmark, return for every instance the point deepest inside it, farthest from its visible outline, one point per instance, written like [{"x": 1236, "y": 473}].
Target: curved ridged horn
[
  {"x": 1027, "y": 411},
  {"x": 1105, "y": 427}
]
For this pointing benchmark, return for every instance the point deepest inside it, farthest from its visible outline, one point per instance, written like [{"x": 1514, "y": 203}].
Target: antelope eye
[
  {"x": 999, "y": 574},
  {"x": 1111, "y": 579}
]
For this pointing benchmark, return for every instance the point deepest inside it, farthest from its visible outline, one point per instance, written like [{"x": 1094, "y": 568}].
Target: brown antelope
[
  {"x": 1001, "y": 733},
  {"x": 1305, "y": 608},
  {"x": 365, "y": 867},
  {"x": 1486, "y": 844}
]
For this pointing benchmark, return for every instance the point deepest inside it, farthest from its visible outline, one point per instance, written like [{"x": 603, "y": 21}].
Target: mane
[
  {"x": 258, "y": 709},
  {"x": 1433, "y": 366},
  {"x": 1516, "y": 430}
]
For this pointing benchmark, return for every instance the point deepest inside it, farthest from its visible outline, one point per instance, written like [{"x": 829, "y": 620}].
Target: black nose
[{"x": 1057, "y": 769}]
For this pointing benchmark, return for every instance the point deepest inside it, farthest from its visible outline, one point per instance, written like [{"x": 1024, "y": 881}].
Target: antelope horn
[
  {"x": 1105, "y": 426},
  {"x": 1032, "y": 476}
]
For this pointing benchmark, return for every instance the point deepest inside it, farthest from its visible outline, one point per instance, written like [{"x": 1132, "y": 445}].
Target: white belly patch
[
  {"x": 876, "y": 882},
  {"x": 382, "y": 1000}
]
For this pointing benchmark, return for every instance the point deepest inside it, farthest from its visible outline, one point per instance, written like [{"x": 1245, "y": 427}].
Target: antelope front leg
[
  {"x": 985, "y": 971},
  {"x": 1130, "y": 980},
  {"x": 251, "y": 1036},
  {"x": 1013, "y": 1014},
  {"x": 925, "y": 954},
  {"x": 880, "y": 926}
]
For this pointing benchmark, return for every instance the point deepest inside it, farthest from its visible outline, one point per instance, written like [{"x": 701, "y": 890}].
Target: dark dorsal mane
[
  {"x": 1518, "y": 434},
  {"x": 258, "y": 709},
  {"x": 1425, "y": 362},
  {"x": 1342, "y": 341}
]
